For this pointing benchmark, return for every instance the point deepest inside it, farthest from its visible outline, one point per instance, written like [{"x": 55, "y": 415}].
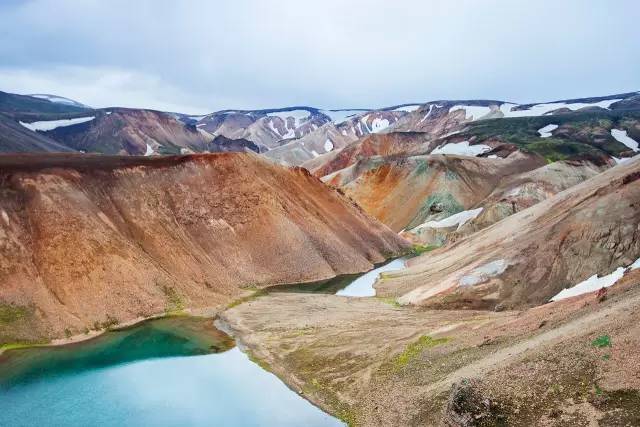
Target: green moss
[
  {"x": 10, "y": 313},
  {"x": 450, "y": 175},
  {"x": 414, "y": 349},
  {"x": 254, "y": 295},
  {"x": 262, "y": 363},
  {"x": 602, "y": 341},
  {"x": 583, "y": 132},
  {"x": 418, "y": 249},
  {"x": 422, "y": 167},
  {"x": 554, "y": 149},
  {"x": 390, "y": 300},
  {"x": 445, "y": 201},
  {"x": 174, "y": 300}
]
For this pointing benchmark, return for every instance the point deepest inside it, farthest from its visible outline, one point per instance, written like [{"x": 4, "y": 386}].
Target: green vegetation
[
  {"x": 445, "y": 202},
  {"x": 10, "y": 313},
  {"x": 422, "y": 167},
  {"x": 254, "y": 295},
  {"x": 583, "y": 132},
  {"x": 174, "y": 300},
  {"x": 390, "y": 300},
  {"x": 602, "y": 341},
  {"x": 108, "y": 323},
  {"x": 418, "y": 249},
  {"x": 413, "y": 350}
]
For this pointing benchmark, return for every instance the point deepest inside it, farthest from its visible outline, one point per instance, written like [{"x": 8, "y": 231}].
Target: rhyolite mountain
[
  {"x": 518, "y": 214},
  {"x": 295, "y": 135},
  {"x": 87, "y": 239}
]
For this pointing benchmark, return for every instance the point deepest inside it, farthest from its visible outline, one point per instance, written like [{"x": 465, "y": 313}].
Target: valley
[{"x": 452, "y": 262}]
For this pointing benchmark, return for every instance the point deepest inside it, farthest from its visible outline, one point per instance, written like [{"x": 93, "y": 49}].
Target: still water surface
[{"x": 166, "y": 372}]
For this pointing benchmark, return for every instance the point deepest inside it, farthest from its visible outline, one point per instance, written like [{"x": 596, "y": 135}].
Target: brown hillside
[{"x": 88, "y": 239}]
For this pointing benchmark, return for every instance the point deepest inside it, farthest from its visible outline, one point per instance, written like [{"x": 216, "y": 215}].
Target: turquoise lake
[{"x": 166, "y": 372}]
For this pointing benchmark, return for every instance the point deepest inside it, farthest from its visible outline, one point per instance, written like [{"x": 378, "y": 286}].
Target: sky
[{"x": 202, "y": 56}]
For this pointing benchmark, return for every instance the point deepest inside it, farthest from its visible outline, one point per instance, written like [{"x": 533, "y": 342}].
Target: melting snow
[
  {"x": 298, "y": 115},
  {"x": 595, "y": 283},
  {"x": 459, "y": 219},
  {"x": 339, "y": 116},
  {"x": 462, "y": 148},
  {"x": 545, "y": 132},
  {"x": 54, "y": 124},
  {"x": 379, "y": 125},
  {"x": 621, "y": 136},
  {"x": 57, "y": 99},
  {"x": 426, "y": 115},
  {"x": 541, "y": 109},
  {"x": 473, "y": 112},
  {"x": 482, "y": 273},
  {"x": 407, "y": 108},
  {"x": 328, "y": 145}
]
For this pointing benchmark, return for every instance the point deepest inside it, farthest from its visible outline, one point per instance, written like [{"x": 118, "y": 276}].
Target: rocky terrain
[
  {"x": 520, "y": 306},
  {"x": 466, "y": 335},
  {"x": 89, "y": 241},
  {"x": 530, "y": 256},
  {"x": 372, "y": 363}
]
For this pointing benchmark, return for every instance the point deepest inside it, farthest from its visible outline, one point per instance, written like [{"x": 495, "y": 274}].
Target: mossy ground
[{"x": 586, "y": 132}]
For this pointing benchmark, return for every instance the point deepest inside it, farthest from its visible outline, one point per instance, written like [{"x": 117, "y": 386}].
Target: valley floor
[{"x": 371, "y": 362}]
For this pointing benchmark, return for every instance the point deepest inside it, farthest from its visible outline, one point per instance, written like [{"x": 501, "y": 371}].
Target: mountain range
[{"x": 519, "y": 302}]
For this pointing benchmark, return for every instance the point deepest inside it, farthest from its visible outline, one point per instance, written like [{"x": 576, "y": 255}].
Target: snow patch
[
  {"x": 407, "y": 108},
  {"x": 427, "y": 115},
  {"x": 621, "y": 136},
  {"x": 298, "y": 115},
  {"x": 462, "y": 148},
  {"x": 483, "y": 273},
  {"x": 595, "y": 283},
  {"x": 149, "y": 151},
  {"x": 328, "y": 145},
  {"x": 5, "y": 217},
  {"x": 459, "y": 219},
  {"x": 57, "y": 99},
  {"x": 378, "y": 125},
  {"x": 542, "y": 109},
  {"x": 339, "y": 116},
  {"x": 315, "y": 153},
  {"x": 47, "y": 125},
  {"x": 472, "y": 112},
  {"x": 545, "y": 132}
]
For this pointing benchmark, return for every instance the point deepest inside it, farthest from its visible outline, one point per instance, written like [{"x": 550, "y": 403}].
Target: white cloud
[{"x": 335, "y": 54}]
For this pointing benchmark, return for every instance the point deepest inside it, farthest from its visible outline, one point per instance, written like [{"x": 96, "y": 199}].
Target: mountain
[
  {"x": 26, "y": 107},
  {"x": 530, "y": 256},
  {"x": 129, "y": 131},
  {"x": 15, "y": 138},
  {"x": 222, "y": 143},
  {"x": 59, "y": 100},
  {"x": 87, "y": 239}
]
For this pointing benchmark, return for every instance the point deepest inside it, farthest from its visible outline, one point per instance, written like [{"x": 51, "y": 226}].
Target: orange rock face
[{"x": 86, "y": 239}]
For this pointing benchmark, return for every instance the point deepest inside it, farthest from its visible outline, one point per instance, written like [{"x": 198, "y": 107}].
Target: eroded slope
[{"x": 90, "y": 240}]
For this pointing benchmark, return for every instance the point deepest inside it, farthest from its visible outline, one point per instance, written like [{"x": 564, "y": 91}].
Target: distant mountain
[
  {"x": 15, "y": 138},
  {"x": 25, "y": 107},
  {"x": 128, "y": 131},
  {"x": 59, "y": 100},
  {"x": 222, "y": 143},
  {"x": 306, "y": 135}
]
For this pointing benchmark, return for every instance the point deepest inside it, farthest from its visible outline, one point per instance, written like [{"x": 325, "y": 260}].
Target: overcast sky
[{"x": 201, "y": 56}]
